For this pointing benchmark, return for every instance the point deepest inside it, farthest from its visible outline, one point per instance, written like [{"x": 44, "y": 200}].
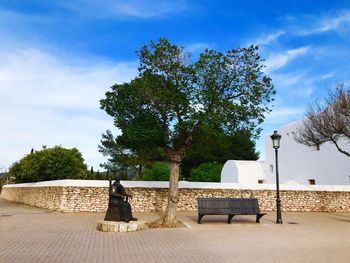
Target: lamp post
[{"x": 276, "y": 138}]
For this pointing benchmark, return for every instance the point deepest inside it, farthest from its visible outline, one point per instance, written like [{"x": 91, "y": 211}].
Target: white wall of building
[
  {"x": 182, "y": 185},
  {"x": 243, "y": 172},
  {"x": 299, "y": 163}
]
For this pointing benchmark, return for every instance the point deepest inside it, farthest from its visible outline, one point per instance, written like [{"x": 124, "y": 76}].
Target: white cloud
[
  {"x": 277, "y": 61},
  {"x": 327, "y": 76},
  {"x": 282, "y": 115},
  {"x": 11, "y": 16},
  {"x": 126, "y": 8},
  {"x": 288, "y": 79},
  {"x": 197, "y": 47},
  {"x": 49, "y": 99},
  {"x": 334, "y": 23},
  {"x": 269, "y": 38},
  {"x": 326, "y": 24}
]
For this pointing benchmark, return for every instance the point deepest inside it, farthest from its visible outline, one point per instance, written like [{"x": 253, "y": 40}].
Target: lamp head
[{"x": 276, "y": 138}]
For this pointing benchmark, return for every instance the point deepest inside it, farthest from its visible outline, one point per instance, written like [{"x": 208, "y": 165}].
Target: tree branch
[{"x": 338, "y": 147}]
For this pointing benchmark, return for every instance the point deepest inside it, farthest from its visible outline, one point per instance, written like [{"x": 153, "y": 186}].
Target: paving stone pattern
[{"x": 30, "y": 234}]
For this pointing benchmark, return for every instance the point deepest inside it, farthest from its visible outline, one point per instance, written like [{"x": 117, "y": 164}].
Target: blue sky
[{"x": 58, "y": 58}]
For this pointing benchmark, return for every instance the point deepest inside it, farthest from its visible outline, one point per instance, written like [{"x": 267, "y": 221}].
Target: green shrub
[
  {"x": 206, "y": 172},
  {"x": 49, "y": 164},
  {"x": 158, "y": 172}
]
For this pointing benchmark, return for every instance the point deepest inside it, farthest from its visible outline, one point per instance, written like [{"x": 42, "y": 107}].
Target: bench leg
[
  {"x": 230, "y": 218},
  {"x": 258, "y": 216},
  {"x": 200, "y": 216}
]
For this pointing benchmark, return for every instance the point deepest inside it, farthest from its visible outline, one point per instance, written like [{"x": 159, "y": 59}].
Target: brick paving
[{"x": 30, "y": 234}]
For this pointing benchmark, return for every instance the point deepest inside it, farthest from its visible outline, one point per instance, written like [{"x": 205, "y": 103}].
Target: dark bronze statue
[{"x": 119, "y": 208}]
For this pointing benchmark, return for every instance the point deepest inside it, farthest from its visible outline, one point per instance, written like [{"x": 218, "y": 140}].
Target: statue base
[{"x": 112, "y": 226}]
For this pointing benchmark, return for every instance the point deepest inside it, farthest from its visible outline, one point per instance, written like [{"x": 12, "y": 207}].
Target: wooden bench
[{"x": 228, "y": 206}]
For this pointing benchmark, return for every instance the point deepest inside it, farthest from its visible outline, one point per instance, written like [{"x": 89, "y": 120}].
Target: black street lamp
[{"x": 276, "y": 138}]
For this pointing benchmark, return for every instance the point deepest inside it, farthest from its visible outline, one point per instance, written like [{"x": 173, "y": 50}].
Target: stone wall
[
  {"x": 44, "y": 197},
  {"x": 75, "y": 198},
  {"x": 84, "y": 199}
]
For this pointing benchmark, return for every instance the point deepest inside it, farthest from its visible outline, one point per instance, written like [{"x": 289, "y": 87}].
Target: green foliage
[
  {"x": 4, "y": 178},
  {"x": 158, "y": 172},
  {"x": 172, "y": 99},
  {"x": 50, "y": 164},
  {"x": 98, "y": 175},
  {"x": 206, "y": 172},
  {"x": 218, "y": 147},
  {"x": 124, "y": 162}
]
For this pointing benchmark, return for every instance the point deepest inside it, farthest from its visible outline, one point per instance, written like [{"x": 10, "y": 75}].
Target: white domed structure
[{"x": 243, "y": 172}]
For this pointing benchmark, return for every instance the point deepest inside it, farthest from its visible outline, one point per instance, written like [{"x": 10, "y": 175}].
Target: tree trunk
[
  {"x": 140, "y": 170},
  {"x": 169, "y": 218}
]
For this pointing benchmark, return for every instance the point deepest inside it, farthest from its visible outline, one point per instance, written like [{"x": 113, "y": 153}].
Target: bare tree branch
[{"x": 328, "y": 121}]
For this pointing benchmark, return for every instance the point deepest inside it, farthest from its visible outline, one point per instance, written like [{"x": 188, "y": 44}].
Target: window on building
[
  {"x": 312, "y": 181},
  {"x": 261, "y": 181},
  {"x": 271, "y": 168}
]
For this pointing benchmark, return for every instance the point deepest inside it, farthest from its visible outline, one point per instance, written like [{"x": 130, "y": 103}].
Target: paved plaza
[{"x": 30, "y": 234}]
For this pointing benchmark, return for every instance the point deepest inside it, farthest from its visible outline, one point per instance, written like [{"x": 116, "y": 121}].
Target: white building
[
  {"x": 298, "y": 164},
  {"x": 243, "y": 172}
]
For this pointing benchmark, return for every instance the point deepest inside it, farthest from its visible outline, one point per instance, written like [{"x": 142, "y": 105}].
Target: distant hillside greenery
[{"x": 49, "y": 164}]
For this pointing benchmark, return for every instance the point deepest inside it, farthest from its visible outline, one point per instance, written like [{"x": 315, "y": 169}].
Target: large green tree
[{"x": 171, "y": 99}]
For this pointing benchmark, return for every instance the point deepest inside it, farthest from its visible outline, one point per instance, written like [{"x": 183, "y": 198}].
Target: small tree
[
  {"x": 172, "y": 99},
  {"x": 92, "y": 173},
  {"x": 4, "y": 177},
  {"x": 49, "y": 164},
  {"x": 328, "y": 121}
]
